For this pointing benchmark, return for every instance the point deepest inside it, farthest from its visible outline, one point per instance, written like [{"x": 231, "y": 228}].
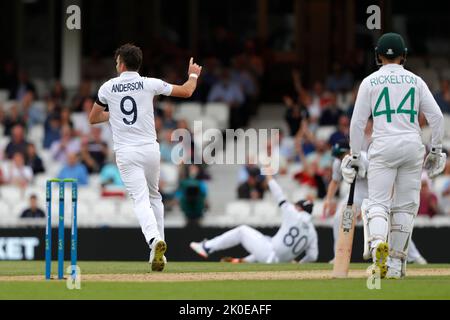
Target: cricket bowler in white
[
  {"x": 127, "y": 103},
  {"x": 295, "y": 236},
  {"x": 394, "y": 97}
]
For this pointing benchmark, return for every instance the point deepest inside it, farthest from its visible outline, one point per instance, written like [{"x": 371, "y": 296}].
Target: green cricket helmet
[{"x": 391, "y": 45}]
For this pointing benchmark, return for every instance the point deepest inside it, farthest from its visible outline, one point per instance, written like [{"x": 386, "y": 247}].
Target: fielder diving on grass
[
  {"x": 127, "y": 103},
  {"x": 296, "y": 235}
]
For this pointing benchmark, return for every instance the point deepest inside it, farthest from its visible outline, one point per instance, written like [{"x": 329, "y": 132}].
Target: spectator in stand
[
  {"x": 443, "y": 96},
  {"x": 58, "y": 93},
  {"x": 245, "y": 170},
  {"x": 110, "y": 180},
  {"x": 17, "y": 143},
  {"x": 110, "y": 176},
  {"x": 316, "y": 171},
  {"x": 86, "y": 159},
  {"x": 342, "y": 132},
  {"x": 246, "y": 80},
  {"x": 52, "y": 129},
  {"x": 428, "y": 199},
  {"x": 66, "y": 120},
  {"x": 192, "y": 194},
  {"x": 98, "y": 148},
  {"x": 318, "y": 95},
  {"x": 166, "y": 145},
  {"x": 304, "y": 141},
  {"x": 15, "y": 172},
  {"x": 253, "y": 188},
  {"x": 331, "y": 112},
  {"x": 295, "y": 115},
  {"x": 229, "y": 92},
  {"x": 81, "y": 119},
  {"x": 168, "y": 120},
  {"x": 94, "y": 151},
  {"x": 84, "y": 92},
  {"x": 339, "y": 80},
  {"x": 12, "y": 119},
  {"x": 74, "y": 170},
  {"x": 285, "y": 145},
  {"x": 65, "y": 145},
  {"x": 33, "y": 211},
  {"x": 22, "y": 87},
  {"x": 33, "y": 160},
  {"x": 31, "y": 112},
  {"x": 351, "y": 107}
]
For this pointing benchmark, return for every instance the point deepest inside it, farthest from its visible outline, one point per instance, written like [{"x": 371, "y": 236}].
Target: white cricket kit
[
  {"x": 394, "y": 97},
  {"x": 361, "y": 193},
  {"x": 129, "y": 100},
  {"x": 295, "y": 236}
]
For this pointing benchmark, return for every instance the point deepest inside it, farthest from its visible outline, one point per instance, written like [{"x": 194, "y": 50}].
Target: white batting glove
[
  {"x": 435, "y": 162},
  {"x": 348, "y": 165}
]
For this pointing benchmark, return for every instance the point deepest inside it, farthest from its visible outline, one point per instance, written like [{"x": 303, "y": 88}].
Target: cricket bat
[{"x": 345, "y": 237}]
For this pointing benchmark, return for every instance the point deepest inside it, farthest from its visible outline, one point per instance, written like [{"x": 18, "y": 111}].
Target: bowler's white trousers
[{"x": 139, "y": 169}]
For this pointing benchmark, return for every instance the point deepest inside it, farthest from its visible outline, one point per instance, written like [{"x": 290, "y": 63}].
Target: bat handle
[
  {"x": 351, "y": 194},
  {"x": 352, "y": 189}
]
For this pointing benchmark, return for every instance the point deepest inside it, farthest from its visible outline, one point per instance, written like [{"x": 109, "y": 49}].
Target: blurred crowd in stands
[{"x": 317, "y": 116}]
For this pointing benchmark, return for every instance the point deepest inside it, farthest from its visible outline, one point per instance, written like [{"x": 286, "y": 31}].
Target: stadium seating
[
  {"x": 238, "y": 209},
  {"x": 218, "y": 111},
  {"x": 188, "y": 110},
  {"x": 169, "y": 175},
  {"x": 225, "y": 210}
]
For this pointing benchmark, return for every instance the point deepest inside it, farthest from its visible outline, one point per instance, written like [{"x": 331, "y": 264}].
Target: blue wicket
[
  {"x": 74, "y": 233},
  {"x": 48, "y": 229},
  {"x": 61, "y": 232}
]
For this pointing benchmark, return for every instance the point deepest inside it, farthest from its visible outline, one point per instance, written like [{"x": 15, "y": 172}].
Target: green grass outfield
[{"x": 415, "y": 287}]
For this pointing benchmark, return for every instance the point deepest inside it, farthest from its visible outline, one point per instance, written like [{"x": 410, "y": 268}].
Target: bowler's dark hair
[{"x": 130, "y": 55}]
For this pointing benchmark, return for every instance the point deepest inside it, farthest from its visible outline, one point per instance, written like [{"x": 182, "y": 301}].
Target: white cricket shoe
[
  {"x": 157, "y": 259},
  {"x": 380, "y": 254},
  {"x": 396, "y": 269},
  {"x": 199, "y": 248}
]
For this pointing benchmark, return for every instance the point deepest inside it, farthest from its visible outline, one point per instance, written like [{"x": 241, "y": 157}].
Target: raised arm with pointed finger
[{"x": 187, "y": 89}]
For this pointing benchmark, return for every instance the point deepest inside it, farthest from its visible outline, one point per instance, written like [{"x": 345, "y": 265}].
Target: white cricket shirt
[
  {"x": 394, "y": 96},
  {"x": 129, "y": 100},
  {"x": 296, "y": 234}
]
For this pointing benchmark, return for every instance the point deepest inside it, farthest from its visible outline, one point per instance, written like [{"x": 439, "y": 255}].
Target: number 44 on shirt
[{"x": 408, "y": 109}]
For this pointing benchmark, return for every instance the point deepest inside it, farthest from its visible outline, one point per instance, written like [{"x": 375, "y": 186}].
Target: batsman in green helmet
[{"x": 393, "y": 96}]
